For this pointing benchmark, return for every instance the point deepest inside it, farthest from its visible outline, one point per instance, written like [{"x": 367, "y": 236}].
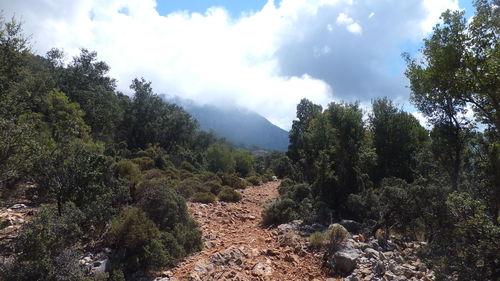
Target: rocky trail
[{"x": 237, "y": 247}]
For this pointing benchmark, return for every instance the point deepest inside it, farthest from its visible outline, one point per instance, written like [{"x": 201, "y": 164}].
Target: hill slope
[{"x": 237, "y": 125}]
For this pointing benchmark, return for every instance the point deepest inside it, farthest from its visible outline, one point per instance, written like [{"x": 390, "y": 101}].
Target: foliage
[
  {"x": 220, "y": 159},
  {"x": 243, "y": 162},
  {"x": 228, "y": 194},
  {"x": 254, "y": 180},
  {"x": 203, "y": 197},
  {"x": 316, "y": 240},
  {"x": 232, "y": 180}
]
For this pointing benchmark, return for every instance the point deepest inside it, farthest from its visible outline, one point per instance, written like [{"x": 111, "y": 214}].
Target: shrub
[
  {"x": 153, "y": 174},
  {"x": 243, "y": 162},
  {"x": 267, "y": 177},
  {"x": 214, "y": 186},
  {"x": 172, "y": 173},
  {"x": 203, "y": 197},
  {"x": 232, "y": 180},
  {"x": 228, "y": 194},
  {"x": 286, "y": 182},
  {"x": 190, "y": 186},
  {"x": 48, "y": 234},
  {"x": 280, "y": 211},
  {"x": 220, "y": 159},
  {"x": 189, "y": 236},
  {"x": 208, "y": 176},
  {"x": 185, "y": 174},
  {"x": 162, "y": 204},
  {"x": 316, "y": 240},
  {"x": 128, "y": 170},
  {"x": 187, "y": 166},
  {"x": 135, "y": 234},
  {"x": 254, "y": 180},
  {"x": 335, "y": 236},
  {"x": 144, "y": 163}
]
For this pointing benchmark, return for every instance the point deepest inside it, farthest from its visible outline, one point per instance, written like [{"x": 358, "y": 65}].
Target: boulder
[
  {"x": 346, "y": 260},
  {"x": 261, "y": 269},
  {"x": 17, "y": 206},
  {"x": 101, "y": 266},
  {"x": 351, "y": 226}
]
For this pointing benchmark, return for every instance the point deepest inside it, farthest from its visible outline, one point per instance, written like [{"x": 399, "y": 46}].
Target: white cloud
[{"x": 266, "y": 61}]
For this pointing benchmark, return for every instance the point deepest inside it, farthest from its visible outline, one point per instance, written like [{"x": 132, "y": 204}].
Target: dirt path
[{"x": 238, "y": 248}]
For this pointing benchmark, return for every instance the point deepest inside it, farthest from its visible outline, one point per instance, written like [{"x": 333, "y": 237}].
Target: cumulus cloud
[{"x": 266, "y": 61}]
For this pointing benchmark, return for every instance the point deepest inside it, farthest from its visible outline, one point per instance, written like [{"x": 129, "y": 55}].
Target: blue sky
[{"x": 253, "y": 54}]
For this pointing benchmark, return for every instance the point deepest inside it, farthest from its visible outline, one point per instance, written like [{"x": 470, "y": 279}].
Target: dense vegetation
[
  {"x": 109, "y": 170},
  {"x": 440, "y": 185}
]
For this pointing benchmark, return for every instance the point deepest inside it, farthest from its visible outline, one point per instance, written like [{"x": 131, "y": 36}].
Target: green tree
[
  {"x": 306, "y": 111},
  {"x": 397, "y": 139},
  {"x": 220, "y": 159},
  {"x": 243, "y": 161}
]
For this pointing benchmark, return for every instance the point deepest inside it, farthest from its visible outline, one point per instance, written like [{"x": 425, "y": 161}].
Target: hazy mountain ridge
[{"x": 238, "y": 125}]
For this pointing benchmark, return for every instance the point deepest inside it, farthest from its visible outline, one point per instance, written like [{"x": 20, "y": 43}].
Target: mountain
[{"x": 239, "y": 126}]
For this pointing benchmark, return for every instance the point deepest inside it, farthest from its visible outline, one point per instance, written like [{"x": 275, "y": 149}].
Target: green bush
[
  {"x": 48, "y": 234},
  {"x": 135, "y": 234},
  {"x": 316, "y": 240},
  {"x": 280, "y": 211},
  {"x": 335, "y": 236},
  {"x": 163, "y": 205},
  {"x": 44, "y": 246},
  {"x": 232, "y": 180},
  {"x": 228, "y": 194},
  {"x": 128, "y": 170},
  {"x": 185, "y": 174},
  {"x": 187, "y": 166},
  {"x": 267, "y": 177},
  {"x": 220, "y": 159},
  {"x": 144, "y": 163},
  {"x": 214, "y": 186},
  {"x": 243, "y": 162},
  {"x": 287, "y": 182},
  {"x": 172, "y": 173},
  {"x": 208, "y": 177},
  {"x": 153, "y": 174},
  {"x": 189, "y": 236},
  {"x": 254, "y": 180},
  {"x": 190, "y": 186},
  {"x": 203, "y": 197}
]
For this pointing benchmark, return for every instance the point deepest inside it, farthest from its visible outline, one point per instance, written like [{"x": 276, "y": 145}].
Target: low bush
[
  {"x": 144, "y": 163},
  {"x": 128, "y": 170},
  {"x": 254, "y": 180},
  {"x": 228, "y": 194},
  {"x": 316, "y": 240},
  {"x": 153, "y": 174},
  {"x": 335, "y": 236},
  {"x": 138, "y": 237},
  {"x": 232, "y": 180},
  {"x": 214, "y": 186},
  {"x": 163, "y": 205},
  {"x": 187, "y": 166},
  {"x": 203, "y": 197},
  {"x": 190, "y": 186},
  {"x": 208, "y": 177},
  {"x": 280, "y": 211}
]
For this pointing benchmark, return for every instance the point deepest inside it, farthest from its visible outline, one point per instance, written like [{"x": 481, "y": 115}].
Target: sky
[{"x": 260, "y": 55}]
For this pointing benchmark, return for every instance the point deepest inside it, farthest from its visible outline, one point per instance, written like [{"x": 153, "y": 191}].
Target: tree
[
  {"x": 155, "y": 121},
  {"x": 397, "y": 138},
  {"x": 220, "y": 159},
  {"x": 306, "y": 111},
  {"x": 85, "y": 81}
]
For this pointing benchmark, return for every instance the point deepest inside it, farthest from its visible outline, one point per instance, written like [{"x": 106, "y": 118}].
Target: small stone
[
  {"x": 17, "y": 206},
  {"x": 261, "y": 269}
]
